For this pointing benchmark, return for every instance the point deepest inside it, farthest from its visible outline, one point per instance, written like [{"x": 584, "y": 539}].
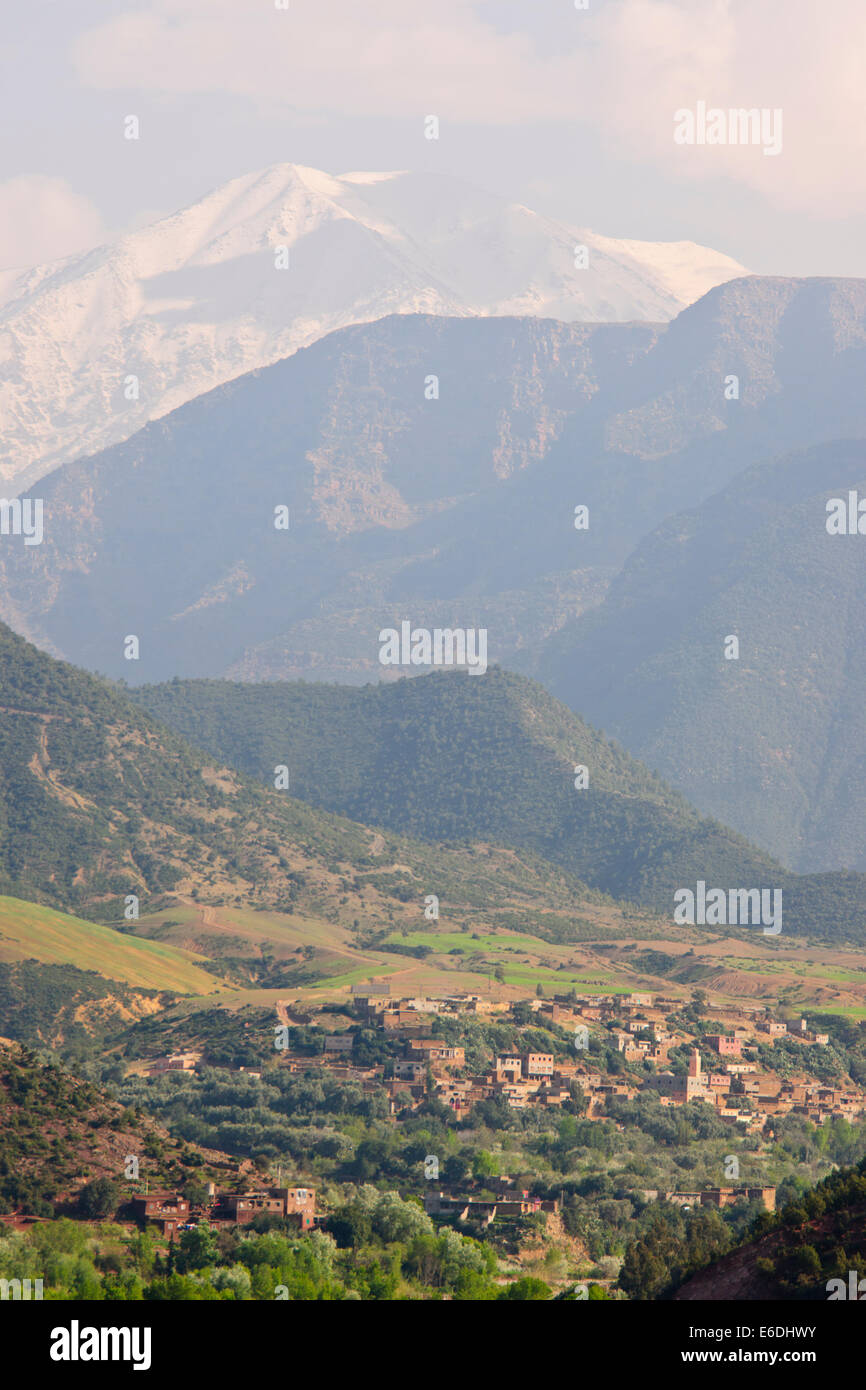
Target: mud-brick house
[
  {"x": 297, "y": 1204},
  {"x": 166, "y": 1210}
]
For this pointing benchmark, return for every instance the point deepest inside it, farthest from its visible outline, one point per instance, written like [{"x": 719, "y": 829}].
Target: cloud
[
  {"x": 623, "y": 68},
  {"x": 380, "y": 58},
  {"x": 805, "y": 60},
  {"x": 43, "y": 219}
]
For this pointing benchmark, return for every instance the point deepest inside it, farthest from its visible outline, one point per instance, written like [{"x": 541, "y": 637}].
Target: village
[
  {"x": 410, "y": 1052},
  {"x": 639, "y": 1025}
]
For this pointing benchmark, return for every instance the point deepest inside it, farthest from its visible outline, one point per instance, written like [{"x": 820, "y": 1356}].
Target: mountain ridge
[
  {"x": 769, "y": 743},
  {"x": 453, "y": 510},
  {"x": 140, "y": 326}
]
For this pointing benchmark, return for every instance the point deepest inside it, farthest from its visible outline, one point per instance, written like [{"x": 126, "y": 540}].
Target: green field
[
  {"x": 31, "y": 932},
  {"x": 487, "y": 941},
  {"x": 521, "y": 961}
]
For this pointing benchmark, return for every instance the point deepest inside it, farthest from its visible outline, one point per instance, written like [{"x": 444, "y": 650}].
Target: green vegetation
[
  {"x": 818, "y": 1236},
  {"x": 61, "y": 1135},
  {"x": 385, "y": 1249},
  {"x": 98, "y": 802},
  {"x": 451, "y": 757},
  {"x": 53, "y": 1003}
]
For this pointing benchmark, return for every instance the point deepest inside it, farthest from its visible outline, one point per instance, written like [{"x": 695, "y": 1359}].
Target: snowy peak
[{"x": 95, "y": 346}]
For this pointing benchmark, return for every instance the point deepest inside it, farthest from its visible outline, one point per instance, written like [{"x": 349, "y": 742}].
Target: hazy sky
[{"x": 569, "y": 111}]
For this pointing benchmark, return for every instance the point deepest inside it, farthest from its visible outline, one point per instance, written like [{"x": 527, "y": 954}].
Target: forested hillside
[
  {"x": 455, "y": 756},
  {"x": 99, "y": 802}
]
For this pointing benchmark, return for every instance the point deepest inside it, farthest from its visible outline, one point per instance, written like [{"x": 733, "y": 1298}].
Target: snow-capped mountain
[{"x": 96, "y": 345}]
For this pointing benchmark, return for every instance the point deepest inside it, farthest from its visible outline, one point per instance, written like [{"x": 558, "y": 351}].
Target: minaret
[{"x": 695, "y": 1064}]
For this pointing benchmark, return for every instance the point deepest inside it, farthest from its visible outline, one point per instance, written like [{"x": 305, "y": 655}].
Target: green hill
[
  {"x": 99, "y": 802},
  {"x": 459, "y": 757}
]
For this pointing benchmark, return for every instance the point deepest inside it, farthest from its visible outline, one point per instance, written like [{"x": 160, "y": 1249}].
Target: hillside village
[
  {"x": 729, "y": 1069},
  {"x": 642, "y": 1026}
]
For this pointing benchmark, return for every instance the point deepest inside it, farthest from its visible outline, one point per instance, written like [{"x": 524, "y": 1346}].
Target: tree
[
  {"x": 195, "y": 1191},
  {"x": 235, "y": 1279},
  {"x": 198, "y": 1248},
  {"x": 98, "y": 1199},
  {"x": 456, "y": 1169},
  {"x": 394, "y": 1219},
  {"x": 527, "y": 1290},
  {"x": 484, "y": 1165},
  {"x": 806, "y": 1263}
]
